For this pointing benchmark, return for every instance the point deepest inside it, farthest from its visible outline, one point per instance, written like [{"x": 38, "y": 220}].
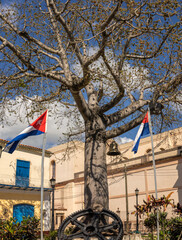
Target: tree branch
[
  {"x": 120, "y": 115},
  {"x": 103, "y": 27},
  {"x": 82, "y": 105},
  {"x": 62, "y": 53},
  {"x": 26, "y": 36},
  {"x": 136, "y": 56},
  {"x": 3, "y": 45},
  {"x": 111, "y": 16},
  {"x": 114, "y": 75},
  {"x": 112, "y": 103},
  {"x": 68, "y": 31},
  {"x": 128, "y": 126},
  {"x": 30, "y": 66}
]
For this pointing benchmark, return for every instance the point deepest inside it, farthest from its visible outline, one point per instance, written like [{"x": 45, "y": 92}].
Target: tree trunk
[{"x": 96, "y": 187}]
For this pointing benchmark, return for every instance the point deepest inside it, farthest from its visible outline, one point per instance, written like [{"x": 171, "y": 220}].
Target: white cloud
[
  {"x": 122, "y": 140},
  {"x": 10, "y": 12}
]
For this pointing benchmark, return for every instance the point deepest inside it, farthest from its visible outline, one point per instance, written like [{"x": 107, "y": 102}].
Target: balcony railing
[{"x": 22, "y": 181}]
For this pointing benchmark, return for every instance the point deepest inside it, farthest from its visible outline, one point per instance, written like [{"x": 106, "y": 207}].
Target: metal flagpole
[
  {"x": 42, "y": 183},
  {"x": 42, "y": 177},
  {"x": 155, "y": 178}
]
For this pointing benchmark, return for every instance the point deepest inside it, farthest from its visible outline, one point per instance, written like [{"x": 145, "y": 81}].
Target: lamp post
[
  {"x": 136, "y": 193},
  {"x": 1, "y": 148},
  {"x": 126, "y": 193},
  {"x": 53, "y": 182}
]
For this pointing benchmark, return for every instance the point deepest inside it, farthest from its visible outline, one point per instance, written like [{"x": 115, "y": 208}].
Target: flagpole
[
  {"x": 42, "y": 183},
  {"x": 154, "y": 168}
]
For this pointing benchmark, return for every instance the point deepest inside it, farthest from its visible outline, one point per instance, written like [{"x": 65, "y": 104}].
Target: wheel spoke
[
  {"x": 101, "y": 237},
  {"x": 95, "y": 220},
  {"x": 107, "y": 227},
  {"x": 77, "y": 223},
  {"x": 86, "y": 237},
  {"x": 73, "y": 236}
]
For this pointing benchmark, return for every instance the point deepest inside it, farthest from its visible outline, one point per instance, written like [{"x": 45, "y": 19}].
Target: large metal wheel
[{"x": 87, "y": 224}]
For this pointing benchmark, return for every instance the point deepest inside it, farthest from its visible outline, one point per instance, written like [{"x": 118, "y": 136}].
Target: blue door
[
  {"x": 21, "y": 210},
  {"x": 22, "y": 173}
]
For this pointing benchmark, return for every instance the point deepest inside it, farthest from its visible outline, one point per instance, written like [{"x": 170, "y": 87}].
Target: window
[
  {"x": 22, "y": 173},
  {"x": 53, "y": 163},
  {"x": 22, "y": 210},
  {"x": 59, "y": 218}
]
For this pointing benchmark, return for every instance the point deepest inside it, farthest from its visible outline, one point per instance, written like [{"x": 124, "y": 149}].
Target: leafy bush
[
  {"x": 175, "y": 228},
  {"x": 52, "y": 235},
  {"x": 170, "y": 228},
  {"x": 151, "y": 224},
  {"x": 9, "y": 229},
  {"x": 28, "y": 229}
]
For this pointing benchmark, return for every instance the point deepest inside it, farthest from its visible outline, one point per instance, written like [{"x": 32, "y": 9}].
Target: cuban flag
[
  {"x": 143, "y": 130},
  {"x": 38, "y": 127}
]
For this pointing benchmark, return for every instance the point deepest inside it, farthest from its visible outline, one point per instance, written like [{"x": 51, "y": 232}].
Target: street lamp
[
  {"x": 53, "y": 182},
  {"x": 136, "y": 193}
]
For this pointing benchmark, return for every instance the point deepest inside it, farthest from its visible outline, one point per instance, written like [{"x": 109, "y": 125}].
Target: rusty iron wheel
[{"x": 88, "y": 224}]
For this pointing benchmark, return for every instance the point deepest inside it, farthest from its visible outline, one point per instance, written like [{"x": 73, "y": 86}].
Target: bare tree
[{"x": 110, "y": 59}]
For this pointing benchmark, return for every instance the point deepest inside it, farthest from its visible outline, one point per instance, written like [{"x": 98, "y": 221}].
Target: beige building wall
[
  {"x": 34, "y": 155},
  {"x": 8, "y": 200},
  {"x": 139, "y": 170},
  {"x": 11, "y": 194}
]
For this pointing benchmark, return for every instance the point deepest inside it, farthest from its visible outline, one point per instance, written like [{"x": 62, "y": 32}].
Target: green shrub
[
  {"x": 28, "y": 229},
  {"x": 175, "y": 228},
  {"x": 170, "y": 228},
  {"x": 9, "y": 229},
  {"x": 52, "y": 235}
]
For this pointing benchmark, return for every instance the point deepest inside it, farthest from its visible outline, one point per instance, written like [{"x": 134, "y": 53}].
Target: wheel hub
[{"x": 89, "y": 230}]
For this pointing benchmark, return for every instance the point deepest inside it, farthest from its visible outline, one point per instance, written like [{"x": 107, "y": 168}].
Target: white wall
[{"x": 8, "y": 167}]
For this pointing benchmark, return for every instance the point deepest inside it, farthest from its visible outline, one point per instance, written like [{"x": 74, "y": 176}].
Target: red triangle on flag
[{"x": 40, "y": 123}]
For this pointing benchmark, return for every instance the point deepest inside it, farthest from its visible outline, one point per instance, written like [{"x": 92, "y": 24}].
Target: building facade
[
  {"x": 126, "y": 173},
  {"x": 20, "y": 184}
]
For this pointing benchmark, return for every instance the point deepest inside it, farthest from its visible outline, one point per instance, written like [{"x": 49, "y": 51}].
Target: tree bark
[{"x": 96, "y": 186}]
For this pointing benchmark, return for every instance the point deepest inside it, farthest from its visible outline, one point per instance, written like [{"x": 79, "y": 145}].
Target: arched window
[
  {"x": 53, "y": 167},
  {"x": 22, "y": 210}
]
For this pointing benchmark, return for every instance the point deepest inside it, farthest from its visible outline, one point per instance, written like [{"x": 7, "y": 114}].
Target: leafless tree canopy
[{"x": 128, "y": 51}]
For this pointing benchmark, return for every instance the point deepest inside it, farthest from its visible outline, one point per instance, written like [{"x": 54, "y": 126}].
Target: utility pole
[
  {"x": 126, "y": 193},
  {"x": 136, "y": 193}
]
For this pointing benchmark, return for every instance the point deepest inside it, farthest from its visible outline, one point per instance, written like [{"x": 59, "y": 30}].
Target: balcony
[{"x": 22, "y": 181}]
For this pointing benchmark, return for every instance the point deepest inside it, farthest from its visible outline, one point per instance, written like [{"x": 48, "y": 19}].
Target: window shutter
[{"x": 22, "y": 173}]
